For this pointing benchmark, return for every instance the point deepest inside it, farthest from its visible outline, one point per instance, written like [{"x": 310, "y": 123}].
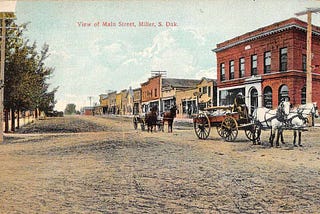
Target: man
[{"x": 239, "y": 104}]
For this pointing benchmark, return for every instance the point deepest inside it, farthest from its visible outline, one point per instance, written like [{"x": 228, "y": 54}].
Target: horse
[
  {"x": 299, "y": 119},
  {"x": 151, "y": 118},
  {"x": 272, "y": 118},
  {"x": 168, "y": 117}
]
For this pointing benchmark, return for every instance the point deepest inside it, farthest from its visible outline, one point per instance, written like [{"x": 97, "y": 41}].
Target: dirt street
[{"x": 102, "y": 165}]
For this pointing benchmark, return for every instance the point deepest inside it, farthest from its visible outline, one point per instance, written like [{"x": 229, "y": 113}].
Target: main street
[{"x": 102, "y": 165}]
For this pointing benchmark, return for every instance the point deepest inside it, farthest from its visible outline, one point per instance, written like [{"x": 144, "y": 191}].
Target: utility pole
[
  {"x": 3, "y": 56},
  {"x": 7, "y": 9},
  {"x": 309, "y": 12},
  {"x": 90, "y": 98}
]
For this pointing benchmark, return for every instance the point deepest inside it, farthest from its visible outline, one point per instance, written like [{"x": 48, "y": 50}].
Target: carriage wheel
[
  {"x": 135, "y": 123},
  {"x": 253, "y": 132},
  {"x": 143, "y": 126},
  {"x": 220, "y": 131},
  {"x": 229, "y": 128},
  {"x": 202, "y": 126}
]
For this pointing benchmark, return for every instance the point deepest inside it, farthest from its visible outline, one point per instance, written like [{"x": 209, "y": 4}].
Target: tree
[
  {"x": 70, "y": 109},
  {"x": 26, "y": 75}
]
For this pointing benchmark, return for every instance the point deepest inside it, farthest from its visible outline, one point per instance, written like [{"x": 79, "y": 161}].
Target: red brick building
[
  {"x": 150, "y": 93},
  {"x": 268, "y": 64},
  {"x": 161, "y": 92}
]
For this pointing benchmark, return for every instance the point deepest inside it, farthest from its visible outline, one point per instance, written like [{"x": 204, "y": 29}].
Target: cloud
[
  {"x": 161, "y": 42},
  {"x": 209, "y": 73}
]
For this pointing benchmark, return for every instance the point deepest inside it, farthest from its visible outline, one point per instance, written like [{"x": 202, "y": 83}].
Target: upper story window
[
  {"x": 241, "y": 67},
  {"x": 204, "y": 89},
  {"x": 283, "y": 59},
  {"x": 304, "y": 62},
  {"x": 155, "y": 92},
  {"x": 254, "y": 64},
  {"x": 267, "y": 62},
  {"x": 303, "y": 95},
  {"x": 222, "y": 72},
  {"x": 209, "y": 91},
  {"x": 231, "y": 69}
]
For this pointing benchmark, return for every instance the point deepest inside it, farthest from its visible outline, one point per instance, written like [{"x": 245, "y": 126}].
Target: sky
[{"x": 90, "y": 58}]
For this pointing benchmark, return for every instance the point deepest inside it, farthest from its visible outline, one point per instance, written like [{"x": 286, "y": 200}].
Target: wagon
[
  {"x": 227, "y": 123},
  {"x": 141, "y": 119}
]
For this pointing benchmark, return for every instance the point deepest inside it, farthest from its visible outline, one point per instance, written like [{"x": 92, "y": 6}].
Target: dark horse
[
  {"x": 151, "y": 118},
  {"x": 168, "y": 117}
]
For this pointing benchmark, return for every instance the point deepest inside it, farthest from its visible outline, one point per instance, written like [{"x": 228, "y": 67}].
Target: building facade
[
  {"x": 137, "y": 101},
  {"x": 104, "y": 103},
  {"x": 112, "y": 108},
  {"x": 207, "y": 96},
  {"x": 267, "y": 65},
  {"x": 170, "y": 87},
  {"x": 150, "y": 93}
]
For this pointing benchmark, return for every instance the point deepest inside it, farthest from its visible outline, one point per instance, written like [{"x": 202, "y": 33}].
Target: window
[
  {"x": 200, "y": 90},
  {"x": 231, "y": 69},
  {"x": 283, "y": 93},
  {"x": 204, "y": 90},
  {"x": 241, "y": 67},
  {"x": 209, "y": 91},
  {"x": 155, "y": 92},
  {"x": 267, "y": 97},
  {"x": 267, "y": 62},
  {"x": 253, "y": 99},
  {"x": 304, "y": 62},
  {"x": 222, "y": 72},
  {"x": 254, "y": 65},
  {"x": 303, "y": 95},
  {"x": 226, "y": 97},
  {"x": 283, "y": 59}
]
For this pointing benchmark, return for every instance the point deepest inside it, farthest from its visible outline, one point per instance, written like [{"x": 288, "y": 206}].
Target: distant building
[
  {"x": 104, "y": 103},
  {"x": 137, "y": 101},
  {"x": 161, "y": 92},
  {"x": 88, "y": 110},
  {"x": 200, "y": 96}
]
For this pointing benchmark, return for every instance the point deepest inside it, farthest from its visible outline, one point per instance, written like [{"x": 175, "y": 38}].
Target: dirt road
[{"x": 102, "y": 165}]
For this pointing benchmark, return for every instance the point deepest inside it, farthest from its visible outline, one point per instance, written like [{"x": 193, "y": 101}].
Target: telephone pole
[
  {"x": 7, "y": 9},
  {"x": 309, "y": 12},
  {"x": 3, "y": 56},
  {"x": 90, "y": 98}
]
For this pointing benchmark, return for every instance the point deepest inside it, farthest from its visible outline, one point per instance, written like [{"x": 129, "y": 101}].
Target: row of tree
[{"x": 25, "y": 81}]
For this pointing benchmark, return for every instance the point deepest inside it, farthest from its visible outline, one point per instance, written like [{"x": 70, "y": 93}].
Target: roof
[
  {"x": 208, "y": 80},
  {"x": 266, "y": 31},
  {"x": 179, "y": 83}
]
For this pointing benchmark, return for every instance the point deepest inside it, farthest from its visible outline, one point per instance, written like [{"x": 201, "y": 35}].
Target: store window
[
  {"x": 226, "y": 97},
  {"x": 267, "y": 97},
  {"x": 283, "y": 93}
]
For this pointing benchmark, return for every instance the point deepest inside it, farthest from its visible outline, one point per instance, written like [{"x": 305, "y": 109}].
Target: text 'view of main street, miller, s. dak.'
[{"x": 127, "y": 24}]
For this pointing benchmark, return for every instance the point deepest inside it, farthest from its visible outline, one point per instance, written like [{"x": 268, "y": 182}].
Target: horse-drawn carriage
[
  {"x": 153, "y": 119},
  {"x": 141, "y": 119},
  {"x": 227, "y": 122}
]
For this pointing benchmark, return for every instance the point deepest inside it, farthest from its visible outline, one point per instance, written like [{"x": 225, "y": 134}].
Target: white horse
[
  {"x": 299, "y": 119},
  {"x": 272, "y": 118}
]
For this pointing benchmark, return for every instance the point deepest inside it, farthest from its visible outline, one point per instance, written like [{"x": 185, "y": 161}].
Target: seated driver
[{"x": 239, "y": 104}]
